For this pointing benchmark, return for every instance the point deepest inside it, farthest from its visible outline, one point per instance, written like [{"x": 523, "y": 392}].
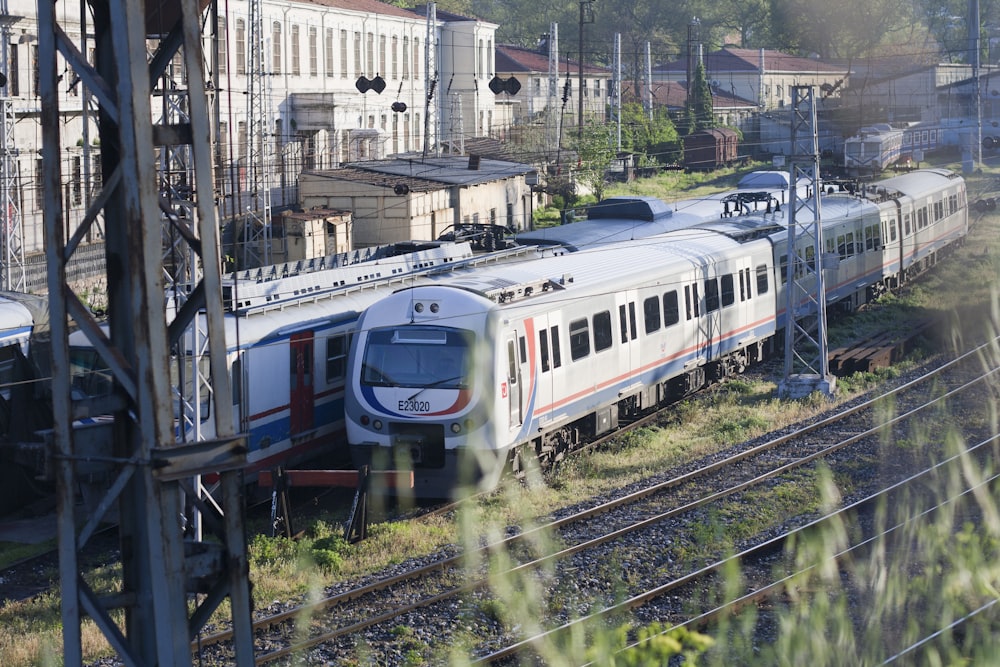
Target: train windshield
[{"x": 418, "y": 357}]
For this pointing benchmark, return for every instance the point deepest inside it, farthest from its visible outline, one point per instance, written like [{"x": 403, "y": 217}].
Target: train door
[
  {"x": 512, "y": 383},
  {"x": 301, "y": 382},
  {"x": 627, "y": 330}
]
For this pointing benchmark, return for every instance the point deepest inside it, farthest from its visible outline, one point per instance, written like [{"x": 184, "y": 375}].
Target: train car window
[
  {"x": 671, "y": 311},
  {"x": 579, "y": 339},
  {"x": 631, "y": 319},
  {"x": 603, "y": 338},
  {"x": 651, "y": 314},
  {"x": 922, "y": 217},
  {"x": 556, "y": 352},
  {"x": 782, "y": 272},
  {"x": 728, "y": 290},
  {"x": 688, "y": 311},
  {"x": 623, "y": 322},
  {"x": 511, "y": 363},
  {"x": 938, "y": 210},
  {"x": 543, "y": 347},
  {"x": 762, "y": 279},
  {"x": 952, "y": 204},
  {"x": 711, "y": 295},
  {"x": 851, "y": 251},
  {"x": 237, "y": 380},
  {"x": 811, "y": 257},
  {"x": 521, "y": 343},
  {"x": 743, "y": 285},
  {"x": 695, "y": 301},
  {"x": 336, "y": 358},
  {"x": 906, "y": 225}
]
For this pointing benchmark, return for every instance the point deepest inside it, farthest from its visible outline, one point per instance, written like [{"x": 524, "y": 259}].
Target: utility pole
[
  {"x": 138, "y": 453},
  {"x": 586, "y": 16},
  {"x": 431, "y": 81},
  {"x": 806, "y": 365},
  {"x": 554, "y": 112}
]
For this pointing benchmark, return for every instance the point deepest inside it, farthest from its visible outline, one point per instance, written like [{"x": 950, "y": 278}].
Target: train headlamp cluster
[{"x": 419, "y": 307}]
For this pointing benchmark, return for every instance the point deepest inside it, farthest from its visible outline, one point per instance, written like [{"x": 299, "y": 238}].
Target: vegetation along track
[{"x": 638, "y": 545}]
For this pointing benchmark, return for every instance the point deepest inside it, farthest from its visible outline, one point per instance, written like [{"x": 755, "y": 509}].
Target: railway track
[{"x": 643, "y": 532}]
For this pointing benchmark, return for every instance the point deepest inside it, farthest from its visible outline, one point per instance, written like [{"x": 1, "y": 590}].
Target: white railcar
[{"x": 460, "y": 377}]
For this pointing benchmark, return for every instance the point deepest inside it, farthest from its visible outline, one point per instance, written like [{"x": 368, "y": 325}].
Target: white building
[{"x": 313, "y": 56}]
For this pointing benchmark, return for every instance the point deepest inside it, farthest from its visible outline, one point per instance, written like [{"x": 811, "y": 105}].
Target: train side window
[
  {"x": 841, "y": 246},
  {"x": 782, "y": 272},
  {"x": 523, "y": 347},
  {"x": 762, "y": 279},
  {"x": 579, "y": 339},
  {"x": 671, "y": 311},
  {"x": 237, "y": 379},
  {"x": 952, "y": 204},
  {"x": 511, "y": 363},
  {"x": 543, "y": 348},
  {"x": 556, "y": 352},
  {"x": 850, "y": 244},
  {"x": 603, "y": 338},
  {"x": 728, "y": 290},
  {"x": 631, "y": 319},
  {"x": 906, "y": 225},
  {"x": 688, "y": 311},
  {"x": 743, "y": 285},
  {"x": 651, "y": 314},
  {"x": 711, "y": 295},
  {"x": 623, "y": 323},
  {"x": 336, "y": 358}
]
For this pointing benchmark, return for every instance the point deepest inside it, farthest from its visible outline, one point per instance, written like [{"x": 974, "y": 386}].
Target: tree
[
  {"x": 656, "y": 138},
  {"x": 699, "y": 106},
  {"x": 595, "y": 149}
]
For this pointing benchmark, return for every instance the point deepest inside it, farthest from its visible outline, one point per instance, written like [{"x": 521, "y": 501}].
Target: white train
[
  {"x": 625, "y": 218},
  {"x": 873, "y": 150},
  {"x": 287, "y": 339},
  {"x": 461, "y": 377}
]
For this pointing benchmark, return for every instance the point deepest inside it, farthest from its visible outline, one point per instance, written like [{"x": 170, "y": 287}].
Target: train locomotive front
[{"x": 423, "y": 389}]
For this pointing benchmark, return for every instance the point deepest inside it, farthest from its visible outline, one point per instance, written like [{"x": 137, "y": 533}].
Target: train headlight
[
  {"x": 469, "y": 424},
  {"x": 364, "y": 420},
  {"x": 419, "y": 307},
  {"x": 377, "y": 424},
  {"x": 456, "y": 428},
  {"x": 435, "y": 307}
]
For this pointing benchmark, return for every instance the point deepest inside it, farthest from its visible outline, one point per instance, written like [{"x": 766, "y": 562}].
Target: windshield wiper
[{"x": 436, "y": 383}]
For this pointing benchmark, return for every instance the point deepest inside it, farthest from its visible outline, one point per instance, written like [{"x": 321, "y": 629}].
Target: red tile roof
[
  {"x": 366, "y": 6},
  {"x": 731, "y": 59},
  {"x": 519, "y": 59}
]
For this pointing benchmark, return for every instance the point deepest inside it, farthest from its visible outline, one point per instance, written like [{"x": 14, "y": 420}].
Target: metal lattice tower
[
  {"x": 257, "y": 218},
  {"x": 431, "y": 116},
  {"x": 147, "y": 470},
  {"x": 11, "y": 236},
  {"x": 554, "y": 114},
  {"x": 806, "y": 366}
]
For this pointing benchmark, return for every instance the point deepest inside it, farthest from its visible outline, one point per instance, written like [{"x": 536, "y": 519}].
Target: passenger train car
[
  {"x": 286, "y": 344},
  {"x": 873, "y": 150},
  {"x": 624, "y": 218},
  {"x": 464, "y": 376}
]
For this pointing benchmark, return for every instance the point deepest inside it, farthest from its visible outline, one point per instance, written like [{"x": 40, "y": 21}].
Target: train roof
[
  {"x": 628, "y": 218},
  {"x": 920, "y": 181}
]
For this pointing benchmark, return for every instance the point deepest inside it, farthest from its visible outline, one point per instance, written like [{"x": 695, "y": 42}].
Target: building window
[
  {"x": 241, "y": 46},
  {"x": 275, "y": 48},
  {"x": 489, "y": 58},
  {"x": 328, "y": 51},
  {"x": 416, "y": 57},
  {"x": 358, "y": 69},
  {"x": 406, "y": 57},
  {"x": 313, "y": 53},
  {"x": 395, "y": 56},
  {"x": 370, "y": 65},
  {"x": 294, "y": 48},
  {"x": 14, "y": 78},
  {"x": 381, "y": 54},
  {"x": 480, "y": 59},
  {"x": 223, "y": 50},
  {"x": 343, "y": 54}
]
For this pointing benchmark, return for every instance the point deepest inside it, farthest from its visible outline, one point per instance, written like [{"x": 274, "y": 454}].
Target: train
[
  {"x": 465, "y": 377},
  {"x": 629, "y": 217},
  {"x": 873, "y": 150},
  {"x": 288, "y": 327}
]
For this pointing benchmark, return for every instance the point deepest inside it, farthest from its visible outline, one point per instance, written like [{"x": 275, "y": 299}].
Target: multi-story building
[{"x": 340, "y": 81}]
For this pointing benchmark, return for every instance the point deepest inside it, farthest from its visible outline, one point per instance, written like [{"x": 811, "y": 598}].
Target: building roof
[
  {"x": 515, "y": 59},
  {"x": 422, "y": 174},
  {"x": 732, "y": 59},
  {"x": 366, "y": 7},
  {"x": 673, "y": 95}
]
